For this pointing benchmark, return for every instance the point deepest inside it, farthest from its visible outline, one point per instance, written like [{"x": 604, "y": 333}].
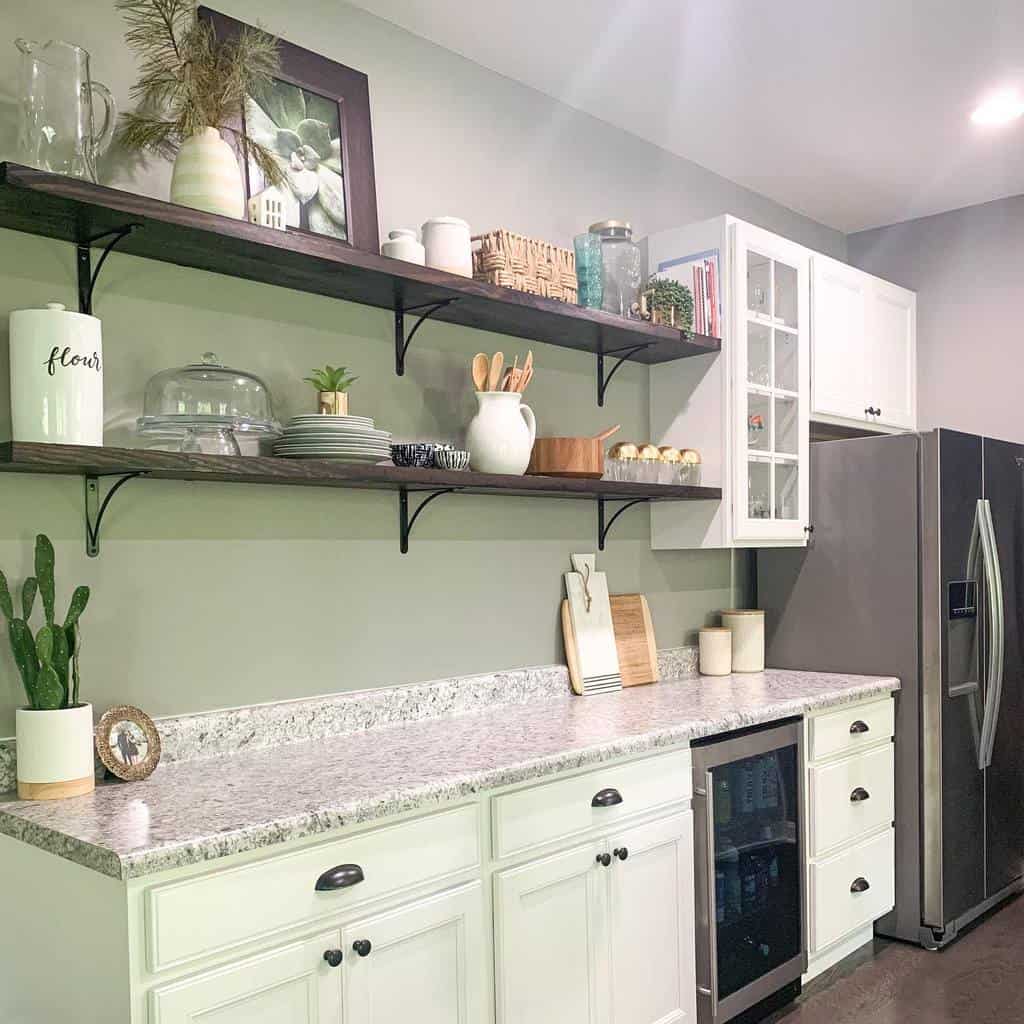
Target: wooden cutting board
[{"x": 634, "y": 639}]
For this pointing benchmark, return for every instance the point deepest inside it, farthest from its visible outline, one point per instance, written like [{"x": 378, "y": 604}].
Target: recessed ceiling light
[{"x": 999, "y": 108}]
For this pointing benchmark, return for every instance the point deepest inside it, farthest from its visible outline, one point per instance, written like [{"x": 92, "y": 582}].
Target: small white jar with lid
[
  {"x": 402, "y": 244},
  {"x": 747, "y": 626},
  {"x": 448, "y": 245},
  {"x": 715, "y": 644}
]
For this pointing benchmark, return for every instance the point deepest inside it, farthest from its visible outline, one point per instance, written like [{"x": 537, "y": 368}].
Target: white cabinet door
[
  {"x": 771, "y": 387},
  {"x": 892, "y": 354},
  {"x": 289, "y": 985},
  {"x": 550, "y": 930},
  {"x": 650, "y": 923},
  {"x": 839, "y": 299},
  {"x": 423, "y": 962}
]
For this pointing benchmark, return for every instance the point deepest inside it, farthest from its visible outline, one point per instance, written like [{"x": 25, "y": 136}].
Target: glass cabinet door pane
[
  {"x": 759, "y": 490},
  {"x": 759, "y": 422},
  {"x": 787, "y": 432},
  {"x": 759, "y": 283},
  {"x": 787, "y": 347},
  {"x": 759, "y": 354},
  {"x": 757, "y": 866},
  {"x": 787, "y": 490},
  {"x": 786, "y": 295}
]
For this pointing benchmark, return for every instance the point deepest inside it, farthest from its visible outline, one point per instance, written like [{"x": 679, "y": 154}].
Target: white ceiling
[{"x": 854, "y": 112}]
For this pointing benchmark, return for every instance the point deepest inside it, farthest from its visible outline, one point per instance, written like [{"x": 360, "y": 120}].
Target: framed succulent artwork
[{"x": 314, "y": 117}]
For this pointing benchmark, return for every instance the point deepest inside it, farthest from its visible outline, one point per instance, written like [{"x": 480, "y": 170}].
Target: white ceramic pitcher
[{"x": 501, "y": 435}]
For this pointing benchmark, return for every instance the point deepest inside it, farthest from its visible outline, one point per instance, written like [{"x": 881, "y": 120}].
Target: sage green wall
[{"x": 215, "y": 595}]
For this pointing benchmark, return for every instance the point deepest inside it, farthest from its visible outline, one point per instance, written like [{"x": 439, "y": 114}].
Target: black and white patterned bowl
[
  {"x": 414, "y": 455},
  {"x": 451, "y": 458}
]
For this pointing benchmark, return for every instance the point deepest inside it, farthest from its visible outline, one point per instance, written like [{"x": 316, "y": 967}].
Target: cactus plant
[{"x": 47, "y": 662}]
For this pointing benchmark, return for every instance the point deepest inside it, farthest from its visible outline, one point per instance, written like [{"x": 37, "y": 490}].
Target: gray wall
[
  {"x": 217, "y": 595},
  {"x": 966, "y": 268}
]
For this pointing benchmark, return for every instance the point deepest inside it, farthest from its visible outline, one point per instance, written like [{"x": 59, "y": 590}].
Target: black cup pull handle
[
  {"x": 860, "y": 885},
  {"x": 859, "y": 794},
  {"x": 858, "y": 727},
  {"x": 333, "y": 957},
  {"x": 341, "y": 877},
  {"x": 606, "y": 798}
]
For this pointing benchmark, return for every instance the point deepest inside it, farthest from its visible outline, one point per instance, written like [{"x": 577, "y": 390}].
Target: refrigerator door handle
[
  {"x": 997, "y": 634},
  {"x": 975, "y": 569}
]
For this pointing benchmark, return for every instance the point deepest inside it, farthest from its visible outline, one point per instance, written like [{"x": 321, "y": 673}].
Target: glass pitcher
[{"x": 57, "y": 131}]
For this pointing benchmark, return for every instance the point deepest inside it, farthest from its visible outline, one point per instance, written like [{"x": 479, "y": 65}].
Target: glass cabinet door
[{"x": 772, "y": 388}]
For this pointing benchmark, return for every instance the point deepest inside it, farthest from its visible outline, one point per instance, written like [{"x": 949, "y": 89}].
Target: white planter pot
[
  {"x": 501, "y": 435},
  {"x": 55, "y": 753},
  {"x": 56, "y": 376},
  {"x": 207, "y": 176}
]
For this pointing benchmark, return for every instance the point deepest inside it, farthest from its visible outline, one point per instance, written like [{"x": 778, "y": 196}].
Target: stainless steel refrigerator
[{"x": 916, "y": 569}]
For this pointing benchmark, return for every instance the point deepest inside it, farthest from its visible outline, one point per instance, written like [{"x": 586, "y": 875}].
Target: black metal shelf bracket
[
  {"x": 405, "y": 521},
  {"x": 602, "y": 526},
  {"x": 403, "y": 340},
  {"x": 95, "y": 508},
  {"x": 87, "y": 276},
  {"x": 623, "y": 354}
]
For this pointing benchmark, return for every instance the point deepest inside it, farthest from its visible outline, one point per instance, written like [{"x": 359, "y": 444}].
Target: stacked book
[{"x": 705, "y": 296}]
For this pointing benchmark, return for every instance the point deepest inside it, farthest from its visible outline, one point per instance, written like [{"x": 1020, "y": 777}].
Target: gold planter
[{"x": 333, "y": 403}]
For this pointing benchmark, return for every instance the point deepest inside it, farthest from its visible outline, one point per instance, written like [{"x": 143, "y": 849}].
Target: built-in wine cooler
[{"x": 748, "y": 817}]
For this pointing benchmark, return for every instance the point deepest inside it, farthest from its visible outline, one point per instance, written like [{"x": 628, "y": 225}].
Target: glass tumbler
[{"x": 589, "y": 270}]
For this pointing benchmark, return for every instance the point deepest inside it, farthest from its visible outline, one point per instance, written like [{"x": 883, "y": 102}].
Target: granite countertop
[{"x": 198, "y": 811}]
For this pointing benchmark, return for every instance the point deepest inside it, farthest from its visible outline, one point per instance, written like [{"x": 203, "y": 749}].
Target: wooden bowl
[{"x": 567, "y": 456}]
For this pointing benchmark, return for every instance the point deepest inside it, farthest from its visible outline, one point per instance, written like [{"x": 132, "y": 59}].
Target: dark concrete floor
[{"x": 978, "y": 979}]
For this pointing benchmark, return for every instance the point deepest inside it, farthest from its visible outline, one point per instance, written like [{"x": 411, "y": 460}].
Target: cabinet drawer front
[
  {"x": 851, "y": 728},
  {"x": 837, "y": 908},
  {"x": 563, "y": 809},
  {"x": 851, "y": 798},
  {"x": 201, "y": 915},
  {"x": 292, "y": 983}
]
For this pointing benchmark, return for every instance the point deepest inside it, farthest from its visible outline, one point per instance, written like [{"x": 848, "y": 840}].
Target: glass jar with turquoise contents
[{"x": 589, "y": 270}]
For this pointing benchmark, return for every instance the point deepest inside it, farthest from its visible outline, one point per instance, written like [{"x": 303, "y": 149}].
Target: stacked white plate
[{"x": 343, "y": 438}]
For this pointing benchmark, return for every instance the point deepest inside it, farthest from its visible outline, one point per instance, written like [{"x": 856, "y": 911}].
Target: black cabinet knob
[
  {"x": 872, "y": 411},
  {"x": 362, "y": 947},
  {"x": 859, "y": 794},
  {"x": 606, "y": 798},
  {"x": 340, "y": 877},
  {"x": 860, "y": 885},
  {"x": 858, "y": 727},
  {"x": 604, "y": 859},
  {"x": 334, "y": 957},
  {"x": 621, "y": 852}
]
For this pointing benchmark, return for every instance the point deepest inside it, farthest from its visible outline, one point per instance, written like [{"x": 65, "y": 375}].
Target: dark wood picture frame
[
  {"x": 110, "y": 719},
  {"x": 350, "y": 89}
]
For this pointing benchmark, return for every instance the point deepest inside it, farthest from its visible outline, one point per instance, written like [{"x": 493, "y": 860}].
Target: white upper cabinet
[{"x": 864, "y": 349}]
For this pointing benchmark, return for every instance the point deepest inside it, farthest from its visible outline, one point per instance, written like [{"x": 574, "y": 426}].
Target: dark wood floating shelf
[
  {"x": 129, "y": 463},
  {"x": 83, "y": 213}
]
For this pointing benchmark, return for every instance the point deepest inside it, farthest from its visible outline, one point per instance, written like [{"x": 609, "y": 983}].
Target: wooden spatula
[{"x": 497, "y": 362}]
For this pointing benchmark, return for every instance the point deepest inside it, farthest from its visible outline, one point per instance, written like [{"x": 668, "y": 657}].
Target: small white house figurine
[{"x": 271, "y": 208}]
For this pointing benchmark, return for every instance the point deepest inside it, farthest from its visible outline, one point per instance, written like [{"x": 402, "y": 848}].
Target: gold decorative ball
[
  {"x": 691, "y": 457},
  {"x": 624, "y": 450}
]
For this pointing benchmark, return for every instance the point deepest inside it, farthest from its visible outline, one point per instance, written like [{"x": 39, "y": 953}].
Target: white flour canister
[
  {"x": 747, "y": 626},
  {"x": 715, "y": 645},
  {"x": 448, "y": 245},
  {"x": 56, "y": 376}
]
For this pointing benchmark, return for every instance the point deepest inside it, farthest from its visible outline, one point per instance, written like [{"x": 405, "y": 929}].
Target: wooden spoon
[
  {"x": 480, "y": 371},
  {"x": 497, "y": 362},
  {"x": 605, "y": 434},
  {"x": 510, "y": 380}
]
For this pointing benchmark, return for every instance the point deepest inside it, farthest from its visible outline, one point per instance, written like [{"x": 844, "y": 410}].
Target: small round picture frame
[{"x": 127, "y": 743}]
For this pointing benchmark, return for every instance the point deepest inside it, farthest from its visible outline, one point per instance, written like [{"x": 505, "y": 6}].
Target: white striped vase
[{"x": 207, "y": 177}]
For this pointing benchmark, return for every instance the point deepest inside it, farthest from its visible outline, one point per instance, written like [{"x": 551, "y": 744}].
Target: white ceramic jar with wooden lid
[
  {"x": 715, "y": 645},
  {"x": 747, "y": 627}
]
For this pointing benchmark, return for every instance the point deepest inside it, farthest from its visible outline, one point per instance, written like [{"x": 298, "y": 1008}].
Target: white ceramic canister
[
  {"x": 56, "y": 376},
  {"x": 501, "y": 435},
  {"x": 402, "y": 244},
  {"x": 54, "y": 752},
  {"x": 448, "y": 246},
  {"x": 207, "y": 177},
  {"x": 747, "y": 627},
  {"x": 715, "y": 644}
]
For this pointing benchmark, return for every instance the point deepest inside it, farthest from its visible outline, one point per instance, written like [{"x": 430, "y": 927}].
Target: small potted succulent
[
  {"x": 55, "y": 730},
  {"x": 668, "y": 302},
  {"x": 332, "y": 384}
]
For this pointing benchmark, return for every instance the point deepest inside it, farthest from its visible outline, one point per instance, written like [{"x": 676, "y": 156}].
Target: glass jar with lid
[
  {"x": 620, "y": 258},
  {"x": 202, "y": 406}
]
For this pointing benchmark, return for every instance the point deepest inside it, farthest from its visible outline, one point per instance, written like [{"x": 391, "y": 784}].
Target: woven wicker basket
[{"x": 515, "y": 261}]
